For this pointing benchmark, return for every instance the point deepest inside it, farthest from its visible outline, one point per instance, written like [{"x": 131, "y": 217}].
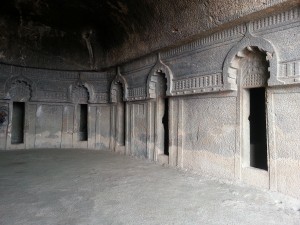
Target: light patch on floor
[{"x": 82, "y": 187}]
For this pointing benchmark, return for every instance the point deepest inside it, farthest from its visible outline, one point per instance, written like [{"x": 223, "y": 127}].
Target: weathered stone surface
[
  {"x": 208, "y": 84},
  {"x": 89, "y": 35}
]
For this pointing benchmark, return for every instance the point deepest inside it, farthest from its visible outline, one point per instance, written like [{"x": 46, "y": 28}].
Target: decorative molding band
[
  {"x": 290, "y": 69},
  {"x": 54, "y": 96},
  {"x": 45, "y": 74},
  {"x": 136, "y": 94},
  {"x": 101, "y": 98},
  {"x": 63, "y": 97},
  {"x": 254, "y": 80},
  {"x": 63, "y": 76},
  {"x": 215, "y": 38},
  {"x": 276, "y": 20},
  {"x": 290, "y": 72},
  {"x": 200, "y": 84},
  {"x": 52, "y": 86},
  {"x": 99, "y": 76}
]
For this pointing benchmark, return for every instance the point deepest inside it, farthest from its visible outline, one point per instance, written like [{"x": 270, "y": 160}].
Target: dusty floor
[{"x": 88, "y": 187}]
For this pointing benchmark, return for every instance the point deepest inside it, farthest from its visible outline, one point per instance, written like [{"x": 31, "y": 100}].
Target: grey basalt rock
[{"x": 197, "y": 105}]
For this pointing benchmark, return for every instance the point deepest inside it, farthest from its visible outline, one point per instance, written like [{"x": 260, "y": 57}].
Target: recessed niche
[
  {"x": 83, "y": 122},
  {"x": 18, "y": 119}
]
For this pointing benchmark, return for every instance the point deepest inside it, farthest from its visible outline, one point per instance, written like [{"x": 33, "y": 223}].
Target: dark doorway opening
[
  {"x": 18, "y": 119},
  {"x": 258, "y": 132},
  {"x": 124, "y": 123},
  {"x": 122, "y": 116},
  {"x": 163, "y": 101},
  {"x": 83, "y": 122},
  {"x": 165, "y": 121}
]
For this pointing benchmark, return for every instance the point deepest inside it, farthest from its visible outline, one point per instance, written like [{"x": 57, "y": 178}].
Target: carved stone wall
[
  {"x": 25, "y": 84},
  {"x": 203, "y": 80},
  {"x": 51, "y": 98},
  {"x": 4, "y": 120},
  {"x": 3, "y": 115}
]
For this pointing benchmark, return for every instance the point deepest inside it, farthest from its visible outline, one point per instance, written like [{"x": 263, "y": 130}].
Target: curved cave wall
[
  {"x": 52, "y": 108},
  {"x": 92, "y": 35},
  {"x": 123, "y": 76}
]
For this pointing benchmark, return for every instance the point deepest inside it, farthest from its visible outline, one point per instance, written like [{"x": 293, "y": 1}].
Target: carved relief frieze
[
  {"x": 135, "y": 94},
  {"x": 52, "y": 96},
  {"x": 290, "y": 72},
  {"x": 277, "y": 20},
  {"x": 101, "y": 98},
  {"x": 41, "y": 74},
  {"x": 254, "y": 80},
  {"x": 290, "y": 69},
  {"x": 219, "y": 37},
  {"x": 99, "y": 76},
  {"x": 202, "y": 83},
  {"x": 67, "y": 76},
  {"x": 52, "y": 85}
]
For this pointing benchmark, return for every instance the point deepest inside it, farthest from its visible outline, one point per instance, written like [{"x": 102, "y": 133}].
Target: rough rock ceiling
[{"x": 93, "y": 34}]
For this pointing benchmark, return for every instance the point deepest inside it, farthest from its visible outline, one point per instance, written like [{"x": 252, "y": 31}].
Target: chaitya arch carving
[
  {"x": 249, "y": 42},
  {"x": 160, "y": 69},
  {"x": 19, "y": 89},
  {"x": 253, "y": 67},
  {"x": 81, "y": 92},
  {"x": 118, "y": 89}
]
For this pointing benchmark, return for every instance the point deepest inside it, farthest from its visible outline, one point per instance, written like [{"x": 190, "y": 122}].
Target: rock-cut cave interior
[{"x": 149, "y": 112}]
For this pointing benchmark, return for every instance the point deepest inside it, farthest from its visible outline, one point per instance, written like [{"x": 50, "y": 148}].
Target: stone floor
[{"x": 73, "y": 187}]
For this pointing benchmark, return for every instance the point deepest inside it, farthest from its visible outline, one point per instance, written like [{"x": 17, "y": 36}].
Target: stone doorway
[
  {"x": 18, "y": 120},
  {"x": 253, "y": 94},
  {"x": 162, "y": 118},
  {"x": 83, "y": 122}
]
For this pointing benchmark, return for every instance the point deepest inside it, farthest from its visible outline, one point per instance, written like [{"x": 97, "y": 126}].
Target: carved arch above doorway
[
  {"x": 159, "y": 69},
  {"x": 114, "y": 88},
  {"x": 230, "y": 68},
  {"x": 81, "y": 92},
  {"x": 19, "y": 89}
]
